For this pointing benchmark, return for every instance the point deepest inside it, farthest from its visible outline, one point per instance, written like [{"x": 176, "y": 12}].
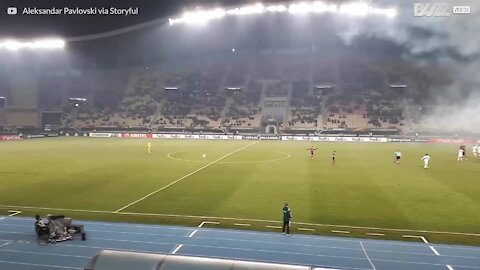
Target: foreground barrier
[{"x": 121, "y": 260}]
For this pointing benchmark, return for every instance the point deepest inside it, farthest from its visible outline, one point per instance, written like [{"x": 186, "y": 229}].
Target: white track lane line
[
  {"x": 176, "y": 249},
  {"x": 13, "y": 213},
  {"x": 242, "y": 219},
  {"x": 183, "y": 177},
  {"x": 368, "y": 257},
  {"x": 434, "y": 251}
]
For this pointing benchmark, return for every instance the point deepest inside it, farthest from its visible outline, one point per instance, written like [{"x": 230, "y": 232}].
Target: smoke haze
[{"x": 452, "y": 43}]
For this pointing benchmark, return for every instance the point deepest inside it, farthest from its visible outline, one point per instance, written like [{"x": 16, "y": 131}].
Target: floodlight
[
  {"x": 276, "y": 8},
  {"x": 300, "y": 8},
  {"x": 355, "y": 9},
  {"x": 320, "y": 7},
  {"x": 247, "y": 10},
  {"x": 13, "y": 45}
]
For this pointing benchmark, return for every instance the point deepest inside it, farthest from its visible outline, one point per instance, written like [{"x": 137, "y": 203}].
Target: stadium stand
[{"x": 323, "y": 92}]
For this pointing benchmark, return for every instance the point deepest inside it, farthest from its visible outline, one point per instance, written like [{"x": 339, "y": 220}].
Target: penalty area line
[{"x": 183, "y": 177}]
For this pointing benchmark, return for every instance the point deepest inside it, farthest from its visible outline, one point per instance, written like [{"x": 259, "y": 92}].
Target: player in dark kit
[
  {"x": 287, "y": 216},
  {"x": 312, "y": 151},
  {"x": 333, "y": 158}
]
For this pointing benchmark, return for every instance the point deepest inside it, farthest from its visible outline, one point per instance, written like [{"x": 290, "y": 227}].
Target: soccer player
[
  {"x": 149, "y": 147},
  {"x": 464, "y": 152},
  {"x": 398, "y": 156},
  {"x": 460, "y": 155},
  {"x": 333, "y": 158},
  {"x": 312, "y": 151},
  {"x": 426, "y": 160},
  {"x": 287, "y": 216},
  {"x": 475, "y": 150}
]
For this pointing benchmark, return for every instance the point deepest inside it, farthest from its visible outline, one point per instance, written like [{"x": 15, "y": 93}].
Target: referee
[{"x": 287, "y": 216}]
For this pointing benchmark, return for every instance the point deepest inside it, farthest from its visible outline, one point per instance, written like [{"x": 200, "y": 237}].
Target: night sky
[{"x": 26, "y": 26}]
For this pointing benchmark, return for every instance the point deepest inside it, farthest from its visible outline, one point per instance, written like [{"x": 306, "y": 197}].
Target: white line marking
[
  {"x": 287, "y": 156},
  {"x": 176, "y": 249},
  {"x": 7, "y": 243},
  {"x": 434, "y": 251},
  {"x": 449, "y": 267},
  {"x": 277, "y": 261},
  {"x": 318, "y": 255},
  {"x": 237, "y": 219},
  {"x": 376, "y": 234},
  {"x": 201, "y": 225},
  {"x": 345, "y": 232},
  {"x": 242, "y": 224},
  {"x": 45, "y": 254},
  {"x": 13, "y": 213},
  {"x": 306, "y": 229},
  {"x": 273, "y": 227},
  {"x": 42, "y": 265},
  {"x": 183, "y": 177},
  {"x": 264, "y": 242},
  {"x": 232, "y": 248},
  {"x": 366, "y": 254},
  {"x": 207, "y": 222},
  {"x": 417, "y": 236},
  {"x": 192, "y": 233}
]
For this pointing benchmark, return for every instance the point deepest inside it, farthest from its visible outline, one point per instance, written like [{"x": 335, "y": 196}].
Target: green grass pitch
[{"x": 365, "y": 188}]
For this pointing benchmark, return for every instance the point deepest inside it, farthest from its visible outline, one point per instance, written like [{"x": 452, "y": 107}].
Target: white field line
[
  {"x": 335, "y": 231},
  {"x": 176, "y": 249},
  {"x": 242, "y": 224},
  {"x": 376, "y": 234},
  {"x": 44, "y": 254},
  {"x": 424, "y": 241},
  {"x": 273, "y": 227},
  {"x": 42, "y": 265},
  {"x": 287, "y": 156},
  {"x": 13, "y": 213},
  {"x": 417, "y": 236},
  {"x": 368, "y": 257},
  {"x": 449, "y": 267},
  {"x": 201, "y": 225},
  {"x": 248, "y": 241},
  {"x": 236, "y": 219},
  {"x": 306, "y": 229},
  {"x": 183, "y": 177},
  {"x": 434, "y": 251},
  {"x": 263, "y": 242},
  {"x": 4, "y": 244}
]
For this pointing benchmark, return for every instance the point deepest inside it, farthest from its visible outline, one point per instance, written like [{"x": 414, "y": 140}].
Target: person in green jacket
[{"x": 287, "y": 216}]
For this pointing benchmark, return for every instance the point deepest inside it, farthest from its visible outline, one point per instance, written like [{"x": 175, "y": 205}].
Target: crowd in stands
[{"x": 230, "y": 94}]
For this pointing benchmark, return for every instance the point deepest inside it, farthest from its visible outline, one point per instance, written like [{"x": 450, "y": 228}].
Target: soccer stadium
[{"x": 266, "y": 135}]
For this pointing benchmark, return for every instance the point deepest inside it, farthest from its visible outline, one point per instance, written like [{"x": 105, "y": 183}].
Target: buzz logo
[{"x": 432, "y": 10}]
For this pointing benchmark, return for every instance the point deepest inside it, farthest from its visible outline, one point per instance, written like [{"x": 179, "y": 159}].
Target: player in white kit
[
  {"x": 426, "y": 160},
  {"x": 475, "y": 150},
  {"x": 460, "y": 155}
]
